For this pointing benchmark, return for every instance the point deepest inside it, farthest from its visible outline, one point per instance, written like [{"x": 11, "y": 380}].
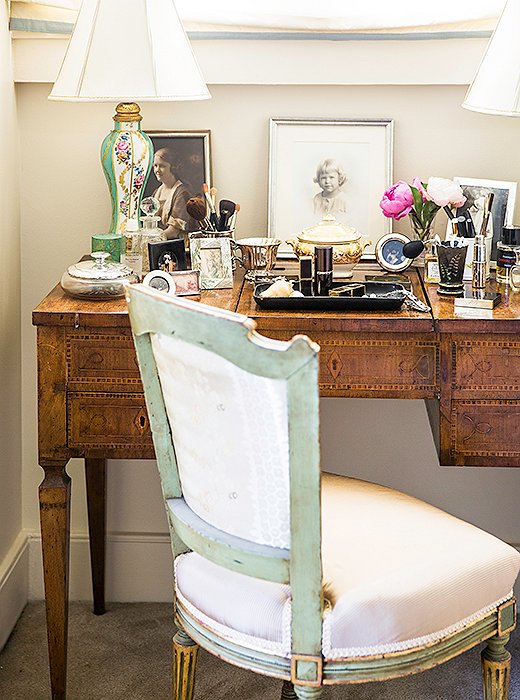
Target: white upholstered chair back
[{"x": 230, "y": 432}]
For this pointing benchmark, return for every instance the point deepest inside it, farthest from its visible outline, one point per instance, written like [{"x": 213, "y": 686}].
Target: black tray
[{"x": 363, "y": 303}]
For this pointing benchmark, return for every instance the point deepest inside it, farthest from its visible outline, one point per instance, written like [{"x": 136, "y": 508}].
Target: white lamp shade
[
  {"x": 129, "y": 50},
  {"x": 496, "y": 86}
]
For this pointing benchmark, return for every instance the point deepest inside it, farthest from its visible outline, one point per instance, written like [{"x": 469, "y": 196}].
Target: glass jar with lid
[
  {"x": 150, "y": 232},
  {"x": 97, "y": 278}
]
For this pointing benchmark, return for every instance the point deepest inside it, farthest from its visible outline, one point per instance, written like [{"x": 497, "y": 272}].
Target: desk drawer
[
  {"x": 102, "y": 358},
  {"x": 486, "y": 365},
  {"x": 107, "y": 420},
  {"x": 373, "y": 367},
  {"x": 486, "y": 429}
]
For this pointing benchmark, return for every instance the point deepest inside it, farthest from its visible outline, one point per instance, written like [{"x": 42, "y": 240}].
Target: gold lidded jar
[
  {"x": 97, "y": 278},
  {"x": 347, "y": 243}
]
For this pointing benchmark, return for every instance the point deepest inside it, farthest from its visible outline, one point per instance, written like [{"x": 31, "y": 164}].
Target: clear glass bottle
[
  {"x": 150, "y": 232},
  {"x": 131, "y": 254}
]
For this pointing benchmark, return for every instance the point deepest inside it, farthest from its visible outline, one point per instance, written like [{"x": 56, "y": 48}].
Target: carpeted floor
[{"x": 125, "y": 655}]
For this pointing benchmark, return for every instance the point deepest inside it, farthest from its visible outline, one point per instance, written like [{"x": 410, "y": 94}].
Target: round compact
[
  {"x": 97, "y": 278},
  {"x": 389, "y": 252}
]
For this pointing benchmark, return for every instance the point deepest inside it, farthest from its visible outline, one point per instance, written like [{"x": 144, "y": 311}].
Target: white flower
[{"x": 445, "y": 192}]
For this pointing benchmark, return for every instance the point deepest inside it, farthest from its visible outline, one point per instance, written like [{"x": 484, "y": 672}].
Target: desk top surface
[{"x": 57, "y": 308}]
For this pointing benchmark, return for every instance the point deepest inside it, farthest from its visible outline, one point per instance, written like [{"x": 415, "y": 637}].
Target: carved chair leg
[
  {"x": 305, "y": 692},
  {"x": 184, "y": 661},
  {"x": 288, "y": 691},
  {"x": 496, "y": 665}
]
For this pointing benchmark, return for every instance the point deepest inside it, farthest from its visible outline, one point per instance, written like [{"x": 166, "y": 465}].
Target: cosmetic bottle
[
  {"x": 322, "y": 270},
  {"x": 306, "y": 275},
  {"x": 131, "y": 254},
  {"x": 479, "y": 263}
]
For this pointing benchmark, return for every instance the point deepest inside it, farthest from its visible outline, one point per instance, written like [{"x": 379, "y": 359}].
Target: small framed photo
[
  {"x": 328, "y": 167},
  {"x": 167, "y": 256},
  {"x": 389, "y": 252},
  {"x": 161, "y": 281},
  {"x": 186, "y": 282},
  {"x": 502, "y": 210},
  {"x": 181, "y": 164},
  {"x": 212, "y": 258}
]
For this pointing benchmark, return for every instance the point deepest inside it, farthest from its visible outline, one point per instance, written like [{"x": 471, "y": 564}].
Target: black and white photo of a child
[
  {"x": 330, "y": 177},
  {"x": 393, "y": 253}
]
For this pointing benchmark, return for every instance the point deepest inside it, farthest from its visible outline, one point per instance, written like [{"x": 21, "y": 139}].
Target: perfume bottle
[
  {"x": 431, "y": 263},
  {"x": 131, "y": 254},
  {"x": 150, "y": 233}
]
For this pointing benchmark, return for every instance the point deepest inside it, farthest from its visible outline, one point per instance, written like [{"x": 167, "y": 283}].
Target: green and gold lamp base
[{"x": 126, "y": 157}]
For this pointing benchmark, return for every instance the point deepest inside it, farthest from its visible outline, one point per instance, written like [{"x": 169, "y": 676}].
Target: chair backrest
[{"x": 234, "y": 417}]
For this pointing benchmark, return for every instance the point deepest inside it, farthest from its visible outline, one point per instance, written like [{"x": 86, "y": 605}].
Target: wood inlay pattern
[
  {"x": 108, "y": 420},
  {"x": 486, "y": 365},
  {"x": 102, "y": 358},
  {"x": 480, "y": 428},
  {"x": 371, "y": 365}
]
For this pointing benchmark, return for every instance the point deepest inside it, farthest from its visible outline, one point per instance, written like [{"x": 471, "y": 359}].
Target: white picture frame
[
  {"x": 503, "y": 208},
  {"x": 364, "y": 150},
  {"x": 211, "y": 256}
]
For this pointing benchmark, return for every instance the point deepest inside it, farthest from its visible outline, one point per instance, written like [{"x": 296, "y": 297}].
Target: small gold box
[
  {"x": 353, "y": 289},
  {"x": 487, "y": 300}
]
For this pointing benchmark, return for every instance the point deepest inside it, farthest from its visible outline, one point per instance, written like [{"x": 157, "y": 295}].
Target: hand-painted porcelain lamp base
[{"x": 126, "y": 157}]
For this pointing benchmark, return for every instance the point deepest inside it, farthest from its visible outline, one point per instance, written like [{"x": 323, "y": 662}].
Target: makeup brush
[
  {"x": 488, "y": 203},
  {"x": 196, "y": 208},
  {"x": 212, "y": 212},
  {"x": 226, "y": 210},
  {"x": 233, "y": 219},
  {"x": 448, "y": 211}
]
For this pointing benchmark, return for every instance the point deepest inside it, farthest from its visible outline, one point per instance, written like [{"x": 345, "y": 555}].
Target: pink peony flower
[
  {"x": 419, "y": 186},
  {"x": 397, "y": 201}
]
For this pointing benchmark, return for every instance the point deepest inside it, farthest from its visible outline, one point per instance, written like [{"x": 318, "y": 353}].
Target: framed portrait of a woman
[
  {"x": 181, "y": 164},
  {"x": 328, "y": 168}
]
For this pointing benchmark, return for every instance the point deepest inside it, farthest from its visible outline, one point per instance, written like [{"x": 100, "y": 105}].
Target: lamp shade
[
  {"x": 496, "y": 86},
  {"x": 129, "y": 50}
]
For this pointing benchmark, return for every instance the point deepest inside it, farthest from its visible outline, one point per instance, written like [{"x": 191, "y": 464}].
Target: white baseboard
[
  {"x": 138, "y": 568},
  {"x": 14, "y": 577}
]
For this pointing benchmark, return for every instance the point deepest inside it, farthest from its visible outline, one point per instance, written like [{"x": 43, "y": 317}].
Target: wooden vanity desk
[{"x": 90, "y": 402}]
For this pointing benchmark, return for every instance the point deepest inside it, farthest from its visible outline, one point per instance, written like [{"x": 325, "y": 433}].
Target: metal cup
[
  {"x": 452, "y": 259},
  {"x": 256, "y": 255}
]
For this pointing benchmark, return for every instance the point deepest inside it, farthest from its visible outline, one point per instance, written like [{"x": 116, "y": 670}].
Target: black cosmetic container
[{"x": 322, "y": 270}]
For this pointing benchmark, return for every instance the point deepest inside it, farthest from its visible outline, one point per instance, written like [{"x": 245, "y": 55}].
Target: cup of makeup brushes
[{"x": 452, "y": 257}]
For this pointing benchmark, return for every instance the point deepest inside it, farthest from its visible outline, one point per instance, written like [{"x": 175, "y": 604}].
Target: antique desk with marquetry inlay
[{"x": 90, "y": 401}]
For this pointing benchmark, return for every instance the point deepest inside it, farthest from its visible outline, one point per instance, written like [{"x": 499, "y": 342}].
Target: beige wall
[
  {"x": 11, "y": 599},
  {"x": 65, "y": 201}
]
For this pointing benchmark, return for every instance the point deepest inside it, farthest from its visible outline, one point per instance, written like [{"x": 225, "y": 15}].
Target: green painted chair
[{"x": 308, "y": 577}]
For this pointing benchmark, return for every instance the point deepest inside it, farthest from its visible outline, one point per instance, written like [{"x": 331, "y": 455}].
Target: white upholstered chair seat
[{"x": 396, "y": 572}]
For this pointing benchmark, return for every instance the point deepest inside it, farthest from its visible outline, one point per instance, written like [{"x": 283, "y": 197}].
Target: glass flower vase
[{"x": 421, "y": 231}]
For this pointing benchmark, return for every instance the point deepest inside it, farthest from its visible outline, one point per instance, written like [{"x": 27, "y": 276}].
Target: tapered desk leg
[
  {"x": 54, "y": 495},
  {"x": 96, "y": 478}
]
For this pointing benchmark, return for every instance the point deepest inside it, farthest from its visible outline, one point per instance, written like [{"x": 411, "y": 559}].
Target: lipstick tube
[{"x": 322, "y": 270}]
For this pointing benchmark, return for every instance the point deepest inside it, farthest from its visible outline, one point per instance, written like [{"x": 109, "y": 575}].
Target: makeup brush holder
[
  {"x": 210, "y": 233},
  {"x": 451, "y": 259},
  {"x": 468, "y": 267}
]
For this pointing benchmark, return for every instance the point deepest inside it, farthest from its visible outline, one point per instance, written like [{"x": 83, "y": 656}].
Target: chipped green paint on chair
[{"x": 304, "y": 670}]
